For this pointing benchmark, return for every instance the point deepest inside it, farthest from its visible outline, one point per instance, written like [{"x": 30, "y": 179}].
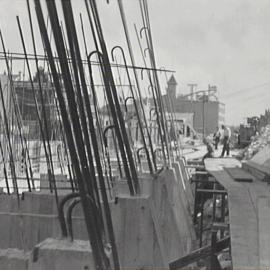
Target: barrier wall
[{"x": 151, "y": 229}]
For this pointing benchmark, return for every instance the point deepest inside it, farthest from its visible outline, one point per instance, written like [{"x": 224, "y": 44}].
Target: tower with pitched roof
[{"x": 171, "y": 90}]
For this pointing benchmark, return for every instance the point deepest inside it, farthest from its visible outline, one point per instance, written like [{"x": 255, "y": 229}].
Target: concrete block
[
  {"x": 38, "y": 203},
  {"x": 5, "y": 224},
  {"x": 8, "y": 203},
  {"x": 12, "y": 259},
  {"x": 24, "y": 231},
  {"x": 137, "y": 241},
  {"x": 62, "y": 183},
  {"x": 145, "y": 180},
  {"x": 189, "y": 192},
  {"x": 151, "y": 229},
  {"x": 57, "y": 254},
  {"x": 16, "y": 235},
  {"x": 165, "y": 217},
  {"x": 183, "y": 216},
  {"x": 181, "y": 185}
]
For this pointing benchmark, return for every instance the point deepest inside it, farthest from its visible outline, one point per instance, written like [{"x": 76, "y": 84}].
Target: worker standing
[{"x": 226, "y": 140}]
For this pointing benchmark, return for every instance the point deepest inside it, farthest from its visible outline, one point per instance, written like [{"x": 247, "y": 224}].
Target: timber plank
[
  {"x": 264, "y": 236},
  {"x": 242, "y": 215},
  {"x": 217, "y": 164},
  {"x": 261, "y": 168},
  {"x": 239, "y": 174},
  {"x": 243, "y": 229}
]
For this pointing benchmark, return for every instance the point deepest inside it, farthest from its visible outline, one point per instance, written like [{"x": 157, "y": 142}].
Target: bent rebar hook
[
  {"x": 138, "y": 154},
  {"x": 126, "y": 100},
  {"x": 135, "y": 105},
  {"x": 105, "y": 132},
  {"x": 144, "y": 28},
  {"x": 61, "y": 215}
]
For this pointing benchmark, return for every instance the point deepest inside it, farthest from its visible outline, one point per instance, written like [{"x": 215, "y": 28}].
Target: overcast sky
[{"x": 224, "y": 43}]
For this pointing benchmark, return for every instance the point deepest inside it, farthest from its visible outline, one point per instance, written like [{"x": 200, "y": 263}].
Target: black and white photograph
[{"x": 134, "y": 135}]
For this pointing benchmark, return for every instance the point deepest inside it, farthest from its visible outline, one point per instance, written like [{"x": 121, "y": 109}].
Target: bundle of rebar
[{"x": 80, "y": 124}]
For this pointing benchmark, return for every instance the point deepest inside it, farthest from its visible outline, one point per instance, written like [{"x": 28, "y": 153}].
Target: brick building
[{"x": 208, "y": 112}]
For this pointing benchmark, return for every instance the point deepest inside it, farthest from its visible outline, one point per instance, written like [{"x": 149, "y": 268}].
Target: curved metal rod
[
  {"x": 115, "y": 145},
  {"x": 95, "y": 52},
  {"x": 144, "y": 51},
  {"x": 144, "y": 28},
  {"x": 114, "y": 48},
  {"x": 138, "y": 154},
  {"x": 61, "y": 212},
  {"x": 69, "y": 214},
  {"x": 155, "y": 153},
  {"x": 158, "y": 120},
  {"x": 135, "y": 104},
  {"x": 127, "y": 157},
  {"x": 104, "y": 133},
  {"x": 169, "y": 100},
  {"x": 69, "y": 217},
  {"x": 126, "y": 100},
  {"x": 92, "y": 53},
  {"x": 150, "y": 112}
]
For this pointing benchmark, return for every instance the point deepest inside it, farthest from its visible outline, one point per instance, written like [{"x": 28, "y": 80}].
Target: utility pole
[
  {"x": 192, "y": 87},
  {"x": 203, "y": 114}
]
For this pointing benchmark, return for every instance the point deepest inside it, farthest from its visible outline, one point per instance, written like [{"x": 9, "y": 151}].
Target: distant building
[
  {"x": 6, "y": 92},
  {"x": 208, "y": 112},
  {"x": 27, "y": 107},
  {"x": 22, "y": 93}
]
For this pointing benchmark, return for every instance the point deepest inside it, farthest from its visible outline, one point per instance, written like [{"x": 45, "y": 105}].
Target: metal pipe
[
  {"x": 20, "y": 56},
  {"x": 117, "y": 128},
  {"x": 112, "y": 96},
  {"x": 123, "y": 17},
  {"x": 69, "y": 18},
  {"x": 12, "y": 164},
  {"x": 43, "y": 110},
  {"x": 81, "y": 175},
  {"x": 16, "y": 110},
  {"x": 4, "y": 167},
  {"x": 47, "y": 155}
]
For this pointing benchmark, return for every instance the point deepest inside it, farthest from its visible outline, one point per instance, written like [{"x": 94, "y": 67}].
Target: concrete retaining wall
[
  {"x": 150, "y": 229},
  {"x": 54, "y": 254}
]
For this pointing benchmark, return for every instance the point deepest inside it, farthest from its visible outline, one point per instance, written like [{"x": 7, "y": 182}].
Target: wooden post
[
  {"x": 195, "y": 211},
  {"x": 213, "y": 250},
  {"x": 201, "y": 220},
  {"x": 214, "y": 204},
  {"x": 222, "y": 213}
]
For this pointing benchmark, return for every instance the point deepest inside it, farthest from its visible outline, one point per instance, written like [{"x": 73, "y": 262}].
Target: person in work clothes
[
  {"x": 210, "y": 149},
  {"x": 226, "y": 140},
  {"x": 217, "y": 136}
]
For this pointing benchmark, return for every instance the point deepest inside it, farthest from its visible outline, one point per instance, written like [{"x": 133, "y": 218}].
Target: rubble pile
[{"x": 258, "y": 142}]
